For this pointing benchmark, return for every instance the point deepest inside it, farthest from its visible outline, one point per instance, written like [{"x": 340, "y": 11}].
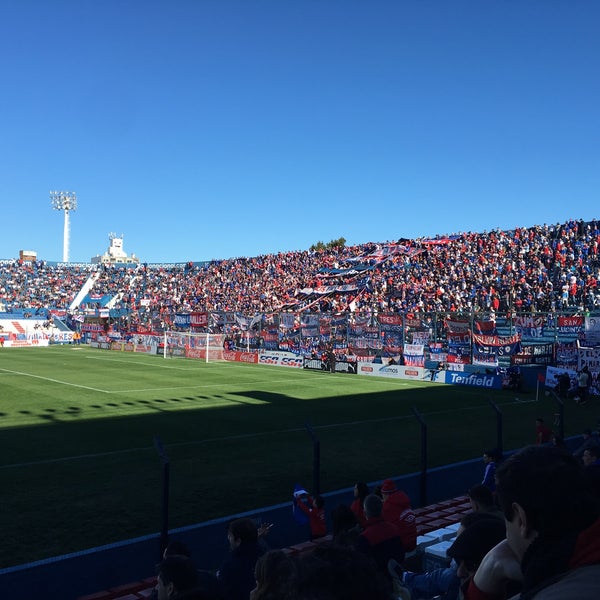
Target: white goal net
[{"x": 205, "y": 346}]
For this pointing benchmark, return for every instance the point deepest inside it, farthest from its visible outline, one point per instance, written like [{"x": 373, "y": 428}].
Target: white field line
[
  {"x": 227, "y": 385},
  {"x": 84, "y": 387},
  {"x": 231, "y": 438}
]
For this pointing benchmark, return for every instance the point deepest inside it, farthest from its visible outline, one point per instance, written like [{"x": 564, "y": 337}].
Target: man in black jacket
[{"x": 236, "y": 575}]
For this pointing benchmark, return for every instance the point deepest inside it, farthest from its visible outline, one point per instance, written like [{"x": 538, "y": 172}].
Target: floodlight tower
[{"x": 65, "y": 201}]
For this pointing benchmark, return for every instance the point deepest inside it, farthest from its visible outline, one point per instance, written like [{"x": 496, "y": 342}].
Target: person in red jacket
[
  {"x": 543, "y": 434},
  {"x": 397, "y": 510},
  {"x": 381, "y": 539},
  {"x": 313, "y": 509}
]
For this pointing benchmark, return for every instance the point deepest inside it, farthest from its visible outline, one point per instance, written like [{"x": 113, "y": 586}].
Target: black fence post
[
  {"x": 423, "y": 477},
  {"x": 164, "y": 529},
  {"x": 499, "y": 428},
  {"x": 559, "y": 419},
  {"x": 316, "y": 489}
]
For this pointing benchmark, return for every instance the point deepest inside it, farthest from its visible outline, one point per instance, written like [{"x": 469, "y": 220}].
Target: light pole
[{"x": 65, "y": 201}]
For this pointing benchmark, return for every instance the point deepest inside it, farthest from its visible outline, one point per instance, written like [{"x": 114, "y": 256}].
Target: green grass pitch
[{"x": 79, "y": 467}]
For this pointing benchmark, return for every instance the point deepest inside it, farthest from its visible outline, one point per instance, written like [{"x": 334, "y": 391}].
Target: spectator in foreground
[
  {"x": 236, "y": 575},
  {"x": 469, "y": 548},
  {"x": 274, "y": 574},
  {"x": 381, "y": 540},
  {"x": 332, "y": 572},
  {"x": 445, "y": 582},
  {"x": 177, "y": 576},
  {"x": 207, "y": 585},
  {"x": 589, "y": 438},
  {"x": 482, "y": 500},
  {"x": 345, "y": 526},
  {"x": 397, "y": 510},
  {"x": 553, "y": 530}
]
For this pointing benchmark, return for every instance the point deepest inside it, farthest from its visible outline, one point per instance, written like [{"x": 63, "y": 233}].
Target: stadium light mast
[{"x": 66, "y": 202}]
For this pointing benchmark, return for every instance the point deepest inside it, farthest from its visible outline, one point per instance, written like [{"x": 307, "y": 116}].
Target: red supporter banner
[
  {"x": 199, "y": 319},
  {"x": 485, "y": 327},
  {"x": 570, "y": 321}
]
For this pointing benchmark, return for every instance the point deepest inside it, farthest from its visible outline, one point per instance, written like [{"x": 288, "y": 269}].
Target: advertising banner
[
  {"x": 244, "y": 357},
  {"x": 474, "y": 380},
  {"x": 280, "y": 359},
  {"x": 395, "y": 371}
]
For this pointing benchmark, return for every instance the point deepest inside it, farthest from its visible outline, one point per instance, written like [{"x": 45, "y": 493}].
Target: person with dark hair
[
  {"x": 173, "y": 548},
  {"x": 361, "y": 491},
  {"x": 176, "y": 575},
  {"x": 331, "y": 572},
  {"x": 381, "y": 539},
  {"x": 207, "y": 585},
  {"x": 482, "y": 500},
  {"x": 274, "y": 573},
  {"x": 236, "y": 575},
  {"x": 444, "y": 582},
  {"x": 176, "y": 548},
  {"x": 397, "y": 510},
  {"x": 345, "y": 526},
  {"x": 473, "y": 543},
  {"x": 552, "y": 529},
  {"x": 589, "y": 438},
  {"x": 591, "y": 456}
]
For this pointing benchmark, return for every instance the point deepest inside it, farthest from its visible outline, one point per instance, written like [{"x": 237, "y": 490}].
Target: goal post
[{"x": 204, "y": 346}]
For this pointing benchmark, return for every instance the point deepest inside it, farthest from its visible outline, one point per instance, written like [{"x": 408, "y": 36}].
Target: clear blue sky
[{"x": 207, "y": 129}]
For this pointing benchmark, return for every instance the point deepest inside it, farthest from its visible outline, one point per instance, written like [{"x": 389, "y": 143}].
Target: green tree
[{"x": 319, "y": 246}]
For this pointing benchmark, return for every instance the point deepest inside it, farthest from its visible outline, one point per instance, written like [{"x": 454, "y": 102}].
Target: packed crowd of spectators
[{"x": 537, "y": 269}]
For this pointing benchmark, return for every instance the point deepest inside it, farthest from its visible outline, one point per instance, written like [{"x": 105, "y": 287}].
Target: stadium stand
[
  {"x": 539, "y": 268},
  {"x": 547, "y": 268}
]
